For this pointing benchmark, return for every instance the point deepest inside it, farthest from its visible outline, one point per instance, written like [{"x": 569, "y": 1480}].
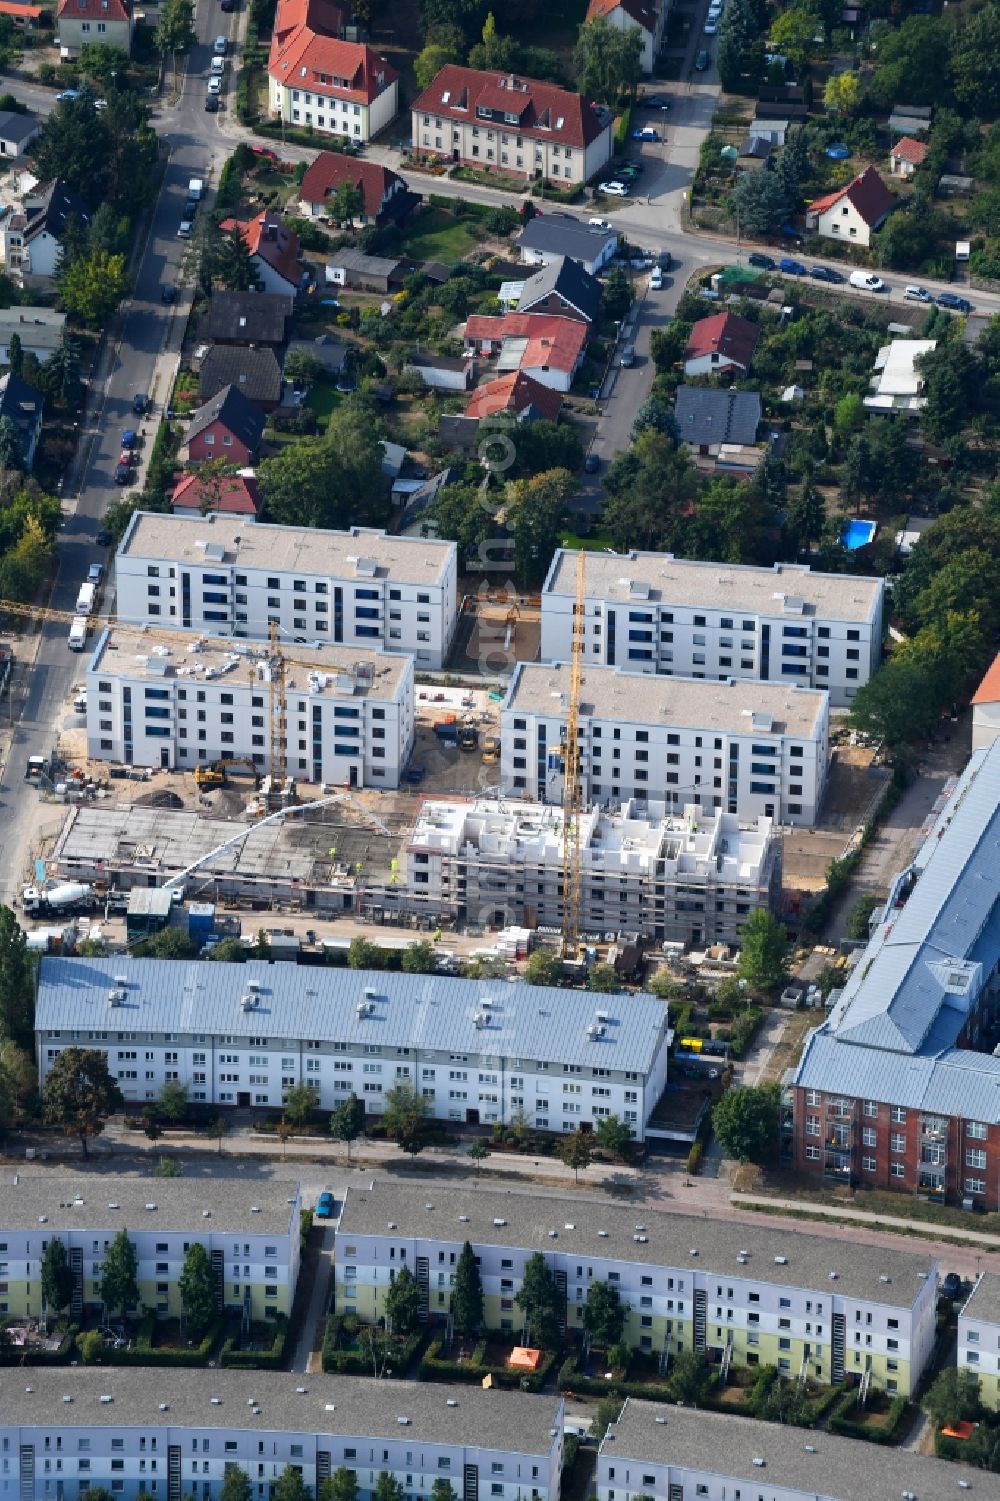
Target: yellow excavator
[{"x": 217, "y": 773}]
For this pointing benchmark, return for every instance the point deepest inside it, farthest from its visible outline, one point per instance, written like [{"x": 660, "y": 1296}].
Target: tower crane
[{"x": 571, "y": 769}]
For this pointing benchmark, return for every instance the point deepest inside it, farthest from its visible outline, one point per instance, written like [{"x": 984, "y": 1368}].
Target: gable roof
[
  {"x": 909, "y": 150},
  {"x": 707, "y": 417},
  {"x": 308, "y": 50},
  {"x": 254, "y": 372},
  {"x": 21, "y": 403},
  {"x": 724, "y": 333},
  {"x": 95, "y": 10},
  {"x": 988, "y": 691},
  {"x": 868, "y": 195},
  {"x": 269, "y": 238},
  {"x": 548, "y": 339},
  {"x": 236, "y": 494},
  {"x": 331, "y": 169},
  {"x": 249, "y": 317},
  {"x": 323, "y": 16},
  {"x": 514, "y": 393},
  {"x": 49, "y": 205},
  {"x": 561, "y": 234},
  {"x": 13, "y": 125},
  {"x": 235, "y": 412},
  {"x": 644, "y": 13},
  {"x": 540, "y": 109},
  {"x": 570, "y": 281}
]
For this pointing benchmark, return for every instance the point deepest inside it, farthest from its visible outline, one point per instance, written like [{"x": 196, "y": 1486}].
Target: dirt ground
[{"x": 853, "y": 786}]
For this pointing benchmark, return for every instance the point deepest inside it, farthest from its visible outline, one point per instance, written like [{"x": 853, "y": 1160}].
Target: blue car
[
  {"x": 956, "y": 303},
  {"x": 129, "y": 439},
  {"x": 324, "y": 1206},
  {"x": 790, "y": 267}
]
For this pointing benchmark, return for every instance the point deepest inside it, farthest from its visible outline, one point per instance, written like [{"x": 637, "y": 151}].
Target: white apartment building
[
  {"x": 250, "y": 1231},
  {"x": 173, "y": 1434},
  {"x": 753, "y": 751},
  {"x": 232, "y": 576},
  {"x": 801, "y": 1303},
  {"x": 679, "y": 1454},
  {"x": 174, "y": 700},
  {"x": 691, "y": 878},
  {"x": 477, "y": 1052},
  {"x": 652, "y": 612},
  {"x": 979, "y": 1338}
]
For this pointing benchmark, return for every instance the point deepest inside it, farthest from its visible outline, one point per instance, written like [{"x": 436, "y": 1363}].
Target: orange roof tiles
[
  {"x": 988, "y": 691},
  {"x": 543, "y": 110}
]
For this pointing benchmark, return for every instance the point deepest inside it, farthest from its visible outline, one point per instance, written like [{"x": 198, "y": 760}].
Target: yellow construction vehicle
[
  {"x": 491, "y": 749},
  {"x": 217, "y": 773}
]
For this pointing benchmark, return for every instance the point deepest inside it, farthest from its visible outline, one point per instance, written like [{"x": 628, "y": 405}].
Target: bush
[
  {"x": 146, "y": 1352},
  {"x": 841, "y": 1422},
  {"x": 359, "y": 1362},
  {"x": 694, "y": 1158},
  {"x": 434, "y": 1367},
  {"x": 18, "y": 1355},
  {"x": 258, "y": 1360}
]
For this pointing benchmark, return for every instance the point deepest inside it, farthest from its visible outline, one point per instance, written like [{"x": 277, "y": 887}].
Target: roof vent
[
  {"x": 640, "y": 1227},
  {"x": 216, "y": 1401},
  {"x": 151, "y": 1206},
  {"x": 883, "y": 1277},
  {"x": 603, "y": 1234},
  {"x": 300, "y": 1391},
  {"x": 810, "y": 1448},
  {"x": 463, "y": 1219},
  {"x": 744, "y": 1253},
  {"x": 641, "y": 1239},
  {"x": 255, "y": 1209},
  {"x": 452, "y": 1402},
  {"x": 106, "y": 1398},
  {"x": 499, "y": 1222},
  {"x": 833, "y": 1276},
  {"x": 694, "y": 1250},
  {"x": 114, "y": 1206},
  {"x": 659, "y": 1420},
  {"x": 43, "y": 1219},
  {"x": 121, "y": 979},
  {"x": 758, "y": 1461},
  {"x": 67, "y": 1399},
  {"x": 569, "y": 1225},
  {"x": 741, "y": 1259},
  {"x": 781, "y": 1261},
  {"x": 29, "y": 1388},
  {"x": 165, "y": 1406},
  {"x": 553, "y": 1235},
  {"x": 391, "y": 1225},
  {"x": 403, "y": 1422},
  {"x": 428, "y": 1206},
  {"x": 206, "y": 1214},
  {"x": 329, "y": 1406}
]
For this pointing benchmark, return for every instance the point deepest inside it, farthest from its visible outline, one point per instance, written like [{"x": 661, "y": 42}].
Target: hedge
[
  {"x": 258, "y": 1360},
  {"x": 434, "y": 1368},
  {"x": 570, "y": 1378},
  {"x": 20, "y": 1355},
  {"x": 144, "y": 1352},
  {"x": 847, "y": 1427},
  {"x": 359, "y": 1362}
]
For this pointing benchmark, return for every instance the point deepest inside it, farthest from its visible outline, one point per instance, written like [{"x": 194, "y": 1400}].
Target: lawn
[
  {"x": 436, "y": 235},
  {"x": 597, "y": 542},
  {"x": 322, "y": 398}
]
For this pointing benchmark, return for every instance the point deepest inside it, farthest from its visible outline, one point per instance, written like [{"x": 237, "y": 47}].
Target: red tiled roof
[
  {"x": 909, "y": 150},
  {"x": 307, "y": 49},
  {"x": 988, "y": 691},
  {"x": 95, "y": 10},
  {"x": 642, "y": 12},
  {"x": 538, "y": 106},
  {"x": 868, "y": 194},
  {"x": 322, "y": 16},
  {"x": 237, "y": 494},
  {"x": 725, "y": 334},
  {"x": 513, "y": 393},
  {"x": 551, "y": 340},
  {"x": 25, "y": 12},
  {"x": 331, "y": 169},
  {"x": 280, "y": 250}
]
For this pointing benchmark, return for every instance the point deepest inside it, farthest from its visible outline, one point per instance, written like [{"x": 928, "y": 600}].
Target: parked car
[
  {"x": 129, "y": 439},
  {"x": 324, "y": 1205},
  {"x": 613, "y": 189},
  {"x": 701, "y": 62},
  {"x": 791, "y": 267},
  {"x": 266, "y": 152},
  {"x": 168, "y": 294},
  {"x": 126, "y": 457},
  {"x": 664, "y": 260},
  {"x": 916, "y": 294},
  {"x": 591, "y": 464},
  {"x": 215, "y": 85},
  {"x": 95, "y": 573},
  {"x": 104, "y": 537},
  {"x": 628, "y": 357},
  {"x": 867, "y": 281},
  {"x": 140, "y": 404},
  {"x": 824, "y": 273},
  {"x": 655, "y": 101},
  {"x": 123, "y": 473},
  {"x": 711, "y": 26},
  {"x": 646, "y": 133},
  {"x": 951, "y": 1285},
  {"x": 599, "y": 223},
  {"x": 212, "y": 103},
  {"x": 184, "y": 228},
  {"x": 953, "y": 301},
  {"x": 227, "y": 6},
  {"x": 219, "y": 46},
  {"x": 656, "y": 280},
  {"x": 758, "y": 258},
  {"x": 67, "y": 95}
]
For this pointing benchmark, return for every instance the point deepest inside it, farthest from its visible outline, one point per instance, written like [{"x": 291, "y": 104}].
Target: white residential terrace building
[
  {"x": 678, "y": 1454},
  {"x": 692, "y": 878},
  {"x": 979, "y": 1338},
  {"x": 801, "y": 1303},
  {"x": 250, "y": 1231},
  {"x": 652, "y": 612},
  {"x": 243, "y": 1034},
  {"x": 233, "y": 576},
  {"x": 349, "y": 712},
  {"x": 174, "y": 1434},
  {"x": 752, "y": 751}
]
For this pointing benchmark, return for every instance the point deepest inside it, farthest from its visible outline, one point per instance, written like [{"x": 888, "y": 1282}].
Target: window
[
  {"x": 898, "y": 1115},
  {"x": 897, "y": 1142}
]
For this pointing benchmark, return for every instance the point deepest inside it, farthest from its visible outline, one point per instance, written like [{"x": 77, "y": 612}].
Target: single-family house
[
  {"x": 442, "y": 372},
  {"x": 322, "y": 82},
  {"x": 646, "y": 16},
  {"x": 40, "y": 330},
  {"x": 722, "y": 342},
  {"x": 853, "y": 212},
  {"x": 258, "y": 318},
  {"x": 520, "y": 127},
  {"x": 274, "y": 250},
  {"x": 562, "y": 286},
  {"x": 235, "y": 494},
  {"x": 548, "y": 348},
  {"x": 109, "y": 23},
  {"x": 17, "y": 131},
  {"x": 383, "y": 192},
  {"x": 986, "y": 709},
  {"x": 329, "y": 351},
  {"x": 516, "y": 395},
  {"x": 707, "y": 418},
  {"x": 228, "y": 427},
  {"x": 374, "y": 273},
  {"x": 24, "y": 17},
  {"x": 906, "y": 156},
  {"x": 897, "y": 385},
  {"x": 256, "y": 374},
  {"x": 550, "y": 237},
  {"x": 22, "y": 404},
  {"x": 31, "y": 233}
]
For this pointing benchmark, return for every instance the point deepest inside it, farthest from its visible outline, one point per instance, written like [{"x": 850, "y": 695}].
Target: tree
[
  {"x": 228, "y": 950},
  {"x": 402, "y": 1303},
  {"x": 654, "y": 415},
  {"x": 236, "y": 1484},
  {"x": 805, "y": 515},
  {"x": 614, "y": 1136},
  {"x": 15, "y": 354},
  {"x": 17, "y": 980},
  {"x": 953, "y": 1397},
  {"x": 602, "y": 979},
  {"x": 363, "y": 954},
  {"x": 342, "y": 1485},
  {"x": 347, "y": 1121},
  {"x": 299, "y": 1104},
  {"x": 616, "y": 296},
  {"x": 494, "y": 52},
  {"x": 794, "y": 32},
  {"x": 762, "y": 955},
  {"x": 664, "y": 986},
  {"x": 746, "y": 1122},
  {"x": 219, "y": 257},
  {"x": 175, "y": 31},
  {"x": 691, "y": 1377},
  {"x": 953, "y": 378},
  {"x": 290, "y": 1486},
  {"x": 79, "y": 1093},
  {"x": 74, "y": 144},
  {"x": 403, "y": 1117},
  {"x": 57, "y": 1276},
  {"x": 429, "y": 62},
  {"x": 11, "y": 447},
  {"x": 120, "y": 1275},
  {"x": 443, "y": 1490},
  {"x": 577, "y": 1151},
  {"x": 975, "y": 66},
  {"x": 387, "y": 1488},
  {"x": 540, "y": 1301},
  {"x": 197, "y": 1288},
  {"x": 608, "y": 62},
  {"x": 609, "y": 1410},
  {"x": 169, "y": 943},
  {"x": 218, "y": 1129},
  {"x": 302, "y": 368},
  {"x": 90, "y": 1345},
  {"x": 172, "y": 1101},
  {"x": 842, "y": 93},
  {"x": 544, "y": 967},
  {"x": 534, "y": 514},
  {"x": 649, "y": 489},
  {"x": 760, "y": 202},
  {"x": 467, "y": 1293},
  {"x": 419, "y": 958},
  {"x": 477, "y": 1154},
  {"x": 346, "y": 204},
  {"x": 604, "y": 1314},
  {"x": 18, "y": 1080},
  {"x": 303, "y": 486},
  {"x": 93, "y": 286}
]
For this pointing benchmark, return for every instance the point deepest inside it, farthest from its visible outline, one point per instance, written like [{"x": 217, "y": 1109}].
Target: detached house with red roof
[
  {"x": 518, "y": 126},
  {"x": 624, "y": 15},
  {"x": 854, "y": 212},
  {"x": 722, "y": 342},
  {"x": 320, "y": 80},
  {"x": 906, "y": 156},
  {"x": 274, "y": 250},
  {"x": 516, "y": 395},
  {"x": 547, "y": 348},
  {"x": 108, "y": 22},
  {"x": 384, "y": 194}
]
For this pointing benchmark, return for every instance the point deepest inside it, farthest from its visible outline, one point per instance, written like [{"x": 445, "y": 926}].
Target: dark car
[
  {"x": 791, "y": 267},
  {"x": 591, "y": 464},
  {"x": 168, "y": 295},
  {"x": 140, "y": 404},
  {"x": 227, "y": 6},
  {"x": 656, "y": 101},
  {"x": 212, "y": 104},
  {"x": 104, "y": 537},
  {"x": 123, "y": 474},
  {"x": 951, "y": 1285},
  {"x": 956, "y": 303},
  {"x": 701, "y": 62},
  {"x": 757, "y": 258},
  {"x": 324, "y": 1206},
  {"x": 823, "y": 273}
]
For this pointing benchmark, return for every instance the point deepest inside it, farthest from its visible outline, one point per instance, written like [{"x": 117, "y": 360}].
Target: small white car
[
  {"x": 215, "y": 85},
  {"x": 917, "y": 294},
  {"x": 218, "y": 66},
  {"x": 599, "y": 223},
  {"x": 711, "y": 27},
  {"x": 220, "y": 44},
  {"x": 656, "y": 280},
  {"x": 613, "y": 189}
]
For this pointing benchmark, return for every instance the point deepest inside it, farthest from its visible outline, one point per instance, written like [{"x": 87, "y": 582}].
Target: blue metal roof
[{"x": 425, "y": 1012}]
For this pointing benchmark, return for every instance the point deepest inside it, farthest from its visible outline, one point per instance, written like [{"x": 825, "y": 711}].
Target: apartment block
[
  {"x": 678, "y": 1454},
  {"x": 169, "y": 1434},
  {"x": 979, "y": 1337},
  {"x": 751, "y": 1296},
  {"x": 689, "y": 878},
  {"x": 652, "y": 612},
  {"x": 243, "y": 1034},
  {"x": 753, "y": 751},
  {"x": 229, "y": 575},
  {"x": 899, "y": 1087},
  {"x": 250, "y": 1231},
  {"x": 176, "y": 701}
]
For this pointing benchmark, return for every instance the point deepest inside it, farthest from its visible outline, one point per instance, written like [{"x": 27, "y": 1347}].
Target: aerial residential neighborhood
[{"x": 499, "y": 750}]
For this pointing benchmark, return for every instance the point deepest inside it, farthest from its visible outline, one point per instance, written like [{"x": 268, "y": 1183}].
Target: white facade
[
  {"x": 652, "y": 612},
  {"x": 979, "y": 1338},
  {"x": 174, "y": 1433},
  {"x": 477, "y": 1052},
  {"x": 758, "y": 751},
  {"x": 690, "y": 879},
  {"x": 359, "y": 121},
  {"x": 231, "y": 576},
  {"x": 174, "y": 701}
]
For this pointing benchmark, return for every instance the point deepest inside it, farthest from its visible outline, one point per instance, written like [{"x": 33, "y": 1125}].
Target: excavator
[{"x": 217, "y": 773}]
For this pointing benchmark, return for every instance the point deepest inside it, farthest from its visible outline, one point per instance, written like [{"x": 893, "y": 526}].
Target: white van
[
  {"x": 218, "y": 66},
  {"x": 85, "y": 599},
  {"x": 78, "y": 633},
  {"x": 867, "y": 281}
]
